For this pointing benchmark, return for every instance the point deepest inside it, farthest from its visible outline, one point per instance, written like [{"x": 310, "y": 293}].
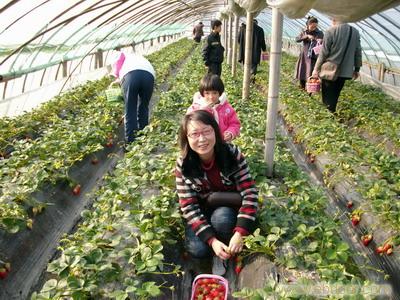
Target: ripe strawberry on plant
[
  {"x": 238, "y": 269},
  {"x": 388, "y": 248},
  {"x": 76, "y": 190},
  {"x": 349, "y": 204},
  {"x": 3, "y": 273},
  {"x": 95, "y": 161},
  {"x": 355, "y": 219},
  {"x": 366, "y": 239},
  {"x": 379, "y": 250}
]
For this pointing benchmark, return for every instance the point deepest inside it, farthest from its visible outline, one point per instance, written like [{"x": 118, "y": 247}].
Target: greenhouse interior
[{"x": 298, "y": 197}]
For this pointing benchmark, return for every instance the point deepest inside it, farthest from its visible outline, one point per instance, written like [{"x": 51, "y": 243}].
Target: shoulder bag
[
  {"x": 329, "y": 69},
  {"x": 231, "y": 199}
]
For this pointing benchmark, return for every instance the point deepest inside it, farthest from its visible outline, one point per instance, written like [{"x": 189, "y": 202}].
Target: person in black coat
[
  {"x": 258, "y": 45},
  {"x": 213, "y": 51}
]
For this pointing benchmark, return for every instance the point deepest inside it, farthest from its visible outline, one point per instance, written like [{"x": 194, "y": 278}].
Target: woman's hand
[
  {"x": 228, "y": 136},
  {"x": 236, "y": 243},
  {"x": 220, "y": 249}
]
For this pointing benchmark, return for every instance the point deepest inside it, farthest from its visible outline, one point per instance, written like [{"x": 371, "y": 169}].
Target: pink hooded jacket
[{"x": 223, "y": 112}]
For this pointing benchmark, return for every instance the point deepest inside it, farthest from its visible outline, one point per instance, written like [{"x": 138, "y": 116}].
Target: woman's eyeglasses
[{"x": 196, "y": 134}]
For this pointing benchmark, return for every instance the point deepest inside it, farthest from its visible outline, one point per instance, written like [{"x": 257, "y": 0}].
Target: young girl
[{"x": 211, "y": 97}]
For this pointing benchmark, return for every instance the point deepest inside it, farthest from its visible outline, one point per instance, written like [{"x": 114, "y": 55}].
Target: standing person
[
  {"x": 213, "y": 51},
  {"x": 211, "y": 96},
  {"x": 258, "y": 46},
  {"x": 207, "y": 164},
  {"x": 307, "y": 58},
  {"x": 198, "y": 32},
  {"x": 342, "y": 46},
  {"x": 241, "y": 41},
  {"x": 136, "y": 76}
]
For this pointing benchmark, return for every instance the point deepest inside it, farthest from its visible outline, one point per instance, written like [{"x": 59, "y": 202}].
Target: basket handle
[{"x": 114, "y": 83}]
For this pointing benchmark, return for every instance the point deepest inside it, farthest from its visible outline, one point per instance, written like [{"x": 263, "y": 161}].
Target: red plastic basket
[
  {"x": 265, "y": 56},
  {"x": 211, "y": 279},
  {"x": 313, "y": 87}
]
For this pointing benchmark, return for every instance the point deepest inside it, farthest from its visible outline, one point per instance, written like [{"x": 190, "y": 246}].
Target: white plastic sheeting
[
  {"x": 252, "y": 5},
  {"x": 343, "y": 10},
  {"x": 235, "y": 8}
]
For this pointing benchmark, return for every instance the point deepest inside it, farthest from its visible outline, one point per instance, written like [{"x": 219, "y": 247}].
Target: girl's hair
[
  {"x": 191, "y": 165},
  {"x": 211, "y": 82},
  {"x": 311, "y": 19}
]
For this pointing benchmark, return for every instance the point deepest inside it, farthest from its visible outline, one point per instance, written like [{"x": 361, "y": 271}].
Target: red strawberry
[
  {"x": 379, "y": 250},
  {"x": 387, "y": 246},
  {"x": 77, "y": 190},
  {"x": 238, "y": 269},
  {"x": 389, "y": 251},
  {"x": 366, "y": 239},
  {"x": 349, "y": 204},
  {"x": 95, "y": 161},
  {"x": 355, "y": 219},
  {"x": 3, "y": 273}
]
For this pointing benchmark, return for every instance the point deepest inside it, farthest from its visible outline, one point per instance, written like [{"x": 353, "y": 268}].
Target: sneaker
[{"x": 219, "y": 266}]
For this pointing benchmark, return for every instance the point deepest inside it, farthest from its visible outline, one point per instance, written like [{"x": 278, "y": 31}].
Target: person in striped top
[{"x": 208, "y": 164}]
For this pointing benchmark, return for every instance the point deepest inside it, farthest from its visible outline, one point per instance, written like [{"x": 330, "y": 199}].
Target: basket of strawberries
[
  {"x": 313, "y": 85},
  {"x": 209, "y": 286}
]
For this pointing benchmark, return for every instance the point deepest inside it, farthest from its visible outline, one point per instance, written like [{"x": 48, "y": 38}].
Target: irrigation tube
[{"x": 273, "y": 88}]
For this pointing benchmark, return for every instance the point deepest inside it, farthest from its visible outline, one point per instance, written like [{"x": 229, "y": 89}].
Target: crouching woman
[{"x": 207, "y": 165}]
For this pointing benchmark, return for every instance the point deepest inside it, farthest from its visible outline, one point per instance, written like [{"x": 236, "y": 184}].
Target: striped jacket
[{"x": 192, "y": 192}]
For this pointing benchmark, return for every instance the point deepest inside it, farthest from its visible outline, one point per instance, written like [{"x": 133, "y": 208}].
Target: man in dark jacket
[
  {"x": 258, "y": 45},
  {"x": 213, "y": 51}
]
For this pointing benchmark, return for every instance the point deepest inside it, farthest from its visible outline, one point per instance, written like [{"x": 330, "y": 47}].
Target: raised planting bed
[
  {"x": 360, "y": 177},
  {"x": 48, "y": 222}
]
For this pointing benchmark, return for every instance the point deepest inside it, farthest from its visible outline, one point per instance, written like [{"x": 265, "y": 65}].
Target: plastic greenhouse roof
[{"x": 30, "y": 30}]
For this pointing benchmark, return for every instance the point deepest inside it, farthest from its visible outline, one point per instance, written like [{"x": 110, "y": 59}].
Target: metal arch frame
[
  {"x": 22, "y": 16},
  {"x": 59, "y": 29},
  {"x": 195, "y": 8},
  {"x": 67, "y": 21},
  {"x": 167, "y": 20},
  {"x": 42, "y": 32}
]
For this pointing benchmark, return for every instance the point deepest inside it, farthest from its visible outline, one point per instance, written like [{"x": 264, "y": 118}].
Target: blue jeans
[
  {"x": 223, "y": 221},
  {"x": 138, "y": 88}
]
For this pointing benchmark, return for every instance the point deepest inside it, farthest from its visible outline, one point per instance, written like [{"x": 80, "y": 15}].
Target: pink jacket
[{"x": 223, "y": 112}]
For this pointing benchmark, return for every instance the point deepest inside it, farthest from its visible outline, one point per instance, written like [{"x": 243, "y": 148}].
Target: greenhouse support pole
[
  {"x": 235, "y": 45},
  {"x": 225, "y": 35},
  {"x": 247, "y": 56},
  {"x": 273, "y": 88},
  {"x": 229, "y": 40}
]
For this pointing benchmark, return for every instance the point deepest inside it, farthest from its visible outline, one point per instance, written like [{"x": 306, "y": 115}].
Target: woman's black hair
[
  {"x": 191, "y": 165},
  {"x": 211, "y": 82},
  {"x": 311, "y": 19}
]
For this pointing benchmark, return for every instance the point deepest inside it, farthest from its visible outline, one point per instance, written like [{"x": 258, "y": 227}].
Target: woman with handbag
[
  {"x": 338, "y": 61},
  {"x": 208, "y": 165},
  {"x": 310, "y": 37}
]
